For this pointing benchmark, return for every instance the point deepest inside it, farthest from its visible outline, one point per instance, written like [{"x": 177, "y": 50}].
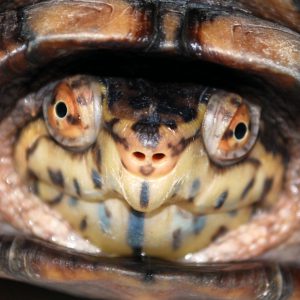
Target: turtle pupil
[
  {"x": 240, "y": 131},
  {"x": 61, "y": 109}
]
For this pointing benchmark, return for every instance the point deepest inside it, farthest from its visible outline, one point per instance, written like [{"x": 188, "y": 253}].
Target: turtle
[{"x": 146, "y": 143}]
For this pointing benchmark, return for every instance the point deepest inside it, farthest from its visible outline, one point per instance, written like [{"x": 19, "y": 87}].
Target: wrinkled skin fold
[{"x": 234, "y": 34}]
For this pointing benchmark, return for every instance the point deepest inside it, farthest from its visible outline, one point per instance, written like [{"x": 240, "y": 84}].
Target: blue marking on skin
[
  {"x": 96, "y": 179},
  {"x": 194, "y": 190},
  {"x": 199, "y": 224},
  {"x": 144, "y": 195},
  {"x": 104, "y": 218},
  {"x": 72, "y": 201},
  {"x": 135, "y": 235},
  {"x": 195, "y": 187},
  {"x": 221, "y": 199},
  {"x": 176, "y": 188},
  {"x": 233, "y": 213}
]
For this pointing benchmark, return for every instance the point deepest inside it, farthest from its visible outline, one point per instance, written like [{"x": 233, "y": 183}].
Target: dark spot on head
[
  {"x": 76, "y": 187},
  {"x": 147, "y": 131},
  {"x": 266, "y": 188},
  {"x": 30, "y": 150},
  {"x": 227, "y": 135},
  {"x": 247, "y": 188},
  {"x": 96, "y": 179},
  {"x": 177, "y": 239},
  {"x": 56, "y": 177},
  {"x": 83, "y": 223},
  {"x": 198, "y": 224},
  {"x": 56, "y": 200},
  {"x": 73, "y": 120},
  {"x": 194, "y": 188},
  {"x": 220, "y": 232},
  {"x": 221, "y": 200},
  {"x": 144, "y": 195}
]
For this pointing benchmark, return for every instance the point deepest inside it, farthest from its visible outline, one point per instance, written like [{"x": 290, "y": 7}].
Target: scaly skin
[
  {"x": 116, "y": 239},
  {"x": 18, "y": 206}
]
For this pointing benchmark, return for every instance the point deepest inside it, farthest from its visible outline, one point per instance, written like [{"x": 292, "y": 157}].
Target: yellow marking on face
[{"x": 166, "y": 214}]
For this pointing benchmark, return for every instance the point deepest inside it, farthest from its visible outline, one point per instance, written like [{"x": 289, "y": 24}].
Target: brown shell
[
  {"x": 44, "y": 264},
  {"x": 259, "y": 37}
]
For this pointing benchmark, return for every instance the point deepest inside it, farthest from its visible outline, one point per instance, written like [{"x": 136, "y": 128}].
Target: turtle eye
[
  {"x": 72, "y": 111},
  {"x": 230, "y": 127}
]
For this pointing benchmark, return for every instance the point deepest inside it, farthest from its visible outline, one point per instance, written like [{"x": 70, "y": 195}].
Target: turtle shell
[{"x": 258, "y": 40}]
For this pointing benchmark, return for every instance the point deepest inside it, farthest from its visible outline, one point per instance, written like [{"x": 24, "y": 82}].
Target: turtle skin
[{"x": 266, "y": 47}]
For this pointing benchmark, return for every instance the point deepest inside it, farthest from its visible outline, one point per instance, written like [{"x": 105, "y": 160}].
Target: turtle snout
[{"x": 148, "y": 162}]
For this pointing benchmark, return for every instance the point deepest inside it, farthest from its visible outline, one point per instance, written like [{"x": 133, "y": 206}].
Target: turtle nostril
[
  {"x": 139, "y": 155},
  {"x": 158, "y": 156},
  {"x": 145, "y": 162}
]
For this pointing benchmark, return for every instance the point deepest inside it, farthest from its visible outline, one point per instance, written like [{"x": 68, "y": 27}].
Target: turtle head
[
  {"x": 149, "y": 137},
  {"x": 118, "y": 158}
]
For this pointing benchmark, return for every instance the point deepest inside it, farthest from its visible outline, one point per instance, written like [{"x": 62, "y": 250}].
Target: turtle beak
[
  {"x": 149, "y": 163},
  {"x": 146, "y": 195}
]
